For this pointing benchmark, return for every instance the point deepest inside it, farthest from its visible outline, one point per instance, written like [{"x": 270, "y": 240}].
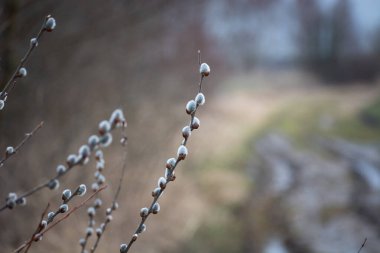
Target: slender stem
[
  {"x": 19, "y": 146},
  {"x": 12, "y": 81},
  {"x": 39, "y": 233},
  {"x": 114, "y": 202},
  {"x": 155, "y": 199}
]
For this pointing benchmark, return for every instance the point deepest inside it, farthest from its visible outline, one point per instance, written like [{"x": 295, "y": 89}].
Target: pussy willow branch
[
  {"x": 46, "y": 183},
  {"x": 155, "y": 199},
  {"x": 12, "y": 81},
  {"x": 19, "y": 146},
  {"x": 114, "y": 202},
  {"x": 37, "y": 234}
]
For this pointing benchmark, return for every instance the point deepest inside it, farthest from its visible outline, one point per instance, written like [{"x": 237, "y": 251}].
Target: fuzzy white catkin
[
  {"x": 33, "y": 42},
  {"x": 53, "y": 184},
  {"x": 200, "y": 99},
  {"x": 196, "y": 123},
  {"x": 104, "y": 127},
  {"x": 97, "y": 203},
  {"x": 156, "y": 208},
  {"x": 156, "y": 192},
  {"x": 170, "y": 163},
  {"x": 89, "y": 231},
  {"x": 95, "y": 187},
  {"x": 141, "y": 229},
  {"x": 99, "y": 232},
  {"x": 66, "y": 194},
  {"x": 204, "y": 69},
  {"x": 71, "y": 160},
  {"x": 22, "y": 72},
  {"x": 81, "y": 190},
  {"x": 63, "y": 208},
  {"x": 10, "y": 150},
  {"x": 93, "y": 141},
  {"x": 61, "y": 169},
  {"x": 144, "y": 212},
  {"x": 2, "y": 104},
  {"x": 91, "y": 211},
  {"x": 82, "y": 241},
  {"x": 123, "y": 248},
  {"x": 84, "y": 151},
  {"x": 50, "y": 24},
  {"x": 191, "y": 106},
  {"x": 99, "y": 155},
  {"x": 106, "y": 140},
  {"x": 186, "y": 132},
  {"x": 50, "y": 215},
  {"x": 161, "y": 182},
  {"x": 182, "y": 152}
]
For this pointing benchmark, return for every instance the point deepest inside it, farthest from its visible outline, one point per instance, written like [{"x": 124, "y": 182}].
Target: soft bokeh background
[{"x": 287, "y": 158}]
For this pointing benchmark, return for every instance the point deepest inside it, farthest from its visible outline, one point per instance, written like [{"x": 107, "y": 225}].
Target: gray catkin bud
[
  {"x": 93, "y": 141},
  {"x": 81, "y": 190},
  {"x": 117, "y": 117},
  {"x": 99, "y": 232},
  {"x": 33, "y": 42},
  {"x": 141, "y": 229},
  {"x": 71, "y": 160},
  {"x": 104, "y": 127},
  {"x": 101, "y": 179},
  {"x": 99, "y": 155},
  {"x": 115, "y": 206},
  {"x": 100, "y": 165},
  {"x": 9, "y": 151},
  {"x": 161, "y": 182},
  {"x": 11, "y": 200},
  {"x": 61, "y": 169},
  {"x": 2, "y": 104},
  {"x": 191, "y": 106},
  {"x": 144, "y": 212},
  {"x": 50, "y": 24},
  {"x": 200, "y": 99},
  {"x": 186, "y": 132},
  {"x": 66, "y": 194},
  {"x": 204, "y": 69},
  {"x": 123, "y": 248},
  {"x": 50, "y": 216},
  {"x": 156, "y": 192},
  {"x": 53, "y": 184},
  {"x": 170, "y": 163},
  {"x": 106, "y": 140},
  {"x": 109, "y": 218},
  {"x": 63, "y": 208},
  {"x": 196, "y": 123},
  {"x": 82, "y": 241},
  {"x": 89, "y": 231},
  {"x": 84, "y": 151},
  {"x": 97, "y": 203},
  {"x": 108, "y": 211},
  {"x": 182, "y": 152},
  {"x": 91, "y": 211},
  {"x": 21, "y": 201},
  {"x": 22, "y": 72},
  {"x": 43, "y": 224},
  {"x": 102, "y": 226},
  {"x": 95, "y": 187},
  {"x": 156, "y": 208}
]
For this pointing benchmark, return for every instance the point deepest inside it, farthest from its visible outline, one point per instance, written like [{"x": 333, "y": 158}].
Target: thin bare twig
[
  {"x": 38, "y": 229},
  {"x": 363, "y": 244},
  {"x": 40, "y": 233},
  {"x": 114, "y": 203},
  {"x": 19, "y": 146},
  {"x": 12, "y": 81}
]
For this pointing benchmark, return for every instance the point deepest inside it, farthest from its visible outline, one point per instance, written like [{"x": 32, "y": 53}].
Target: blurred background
[{"x": 287, "y": 158}]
